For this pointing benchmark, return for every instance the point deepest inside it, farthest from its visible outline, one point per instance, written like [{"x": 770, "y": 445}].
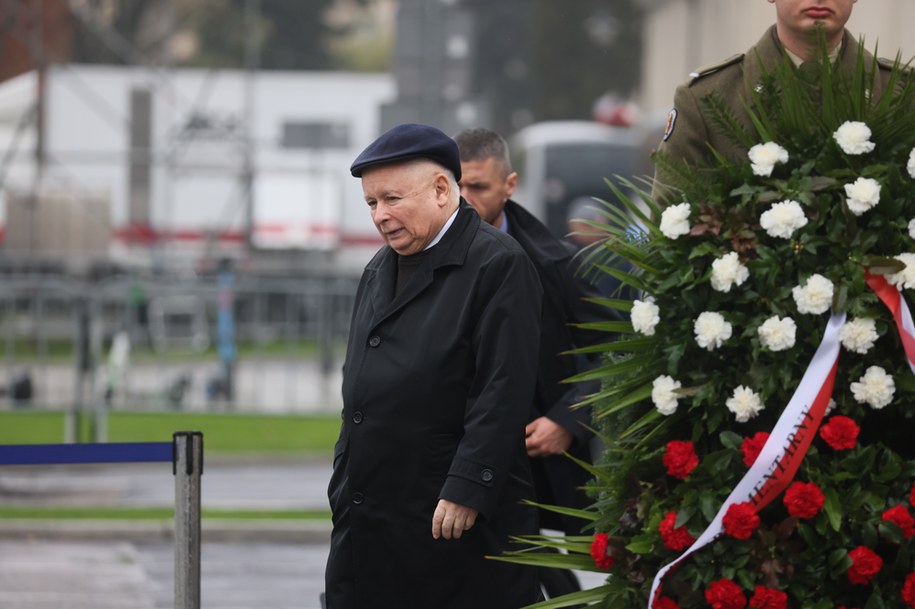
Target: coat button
[
  {"x": 374, "y": 341},
  {"x": 486, "y": 475},
  {"x": 358, "y": 498},
  {"x": 357, "y": 417}
]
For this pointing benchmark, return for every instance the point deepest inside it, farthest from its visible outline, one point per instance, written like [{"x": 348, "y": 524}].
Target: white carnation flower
[
  {"x": 727, "y": 271},
  {"x": 777, "y": 334},
  {"x": 829, "y": 407},
  {"x": 911, "y": 165},
  {"x": 675, "y": 221},
  {"x": 664, "y": 394},
  {"x": 912, "y": 227},
  {"x": 853, "y": 137},
  {"x": 904, "y": 279},
  {"x": 711, "y": 330},
  {"x": 782, "y": 219},
  {"x": 645, "y": 316},
  {"x": 863, "y": 194},
  {"x": 763, "y": 158},
  {"x": 859, "y": 335},
  {"x": 815, "y": 296},
  {"x": 875, "y": 388},
  {"x": 745, "y": 404}
]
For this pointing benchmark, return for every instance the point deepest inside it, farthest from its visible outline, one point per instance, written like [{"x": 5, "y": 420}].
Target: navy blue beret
[{"x": 410, "y": 141}]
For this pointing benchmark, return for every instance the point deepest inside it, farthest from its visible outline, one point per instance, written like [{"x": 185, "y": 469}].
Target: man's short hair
[{"x": 480, "y": 143}]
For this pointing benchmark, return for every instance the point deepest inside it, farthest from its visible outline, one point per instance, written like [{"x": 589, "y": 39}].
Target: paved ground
[
  {"x": 107, "y": 565},
  {"x": 112, "y": 574},
  {"x": 102, "y": 565}
]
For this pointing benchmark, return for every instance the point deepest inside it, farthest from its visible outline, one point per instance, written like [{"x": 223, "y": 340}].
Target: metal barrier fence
[
  {"x": 185, "y": 452},
  {"x": 157, "y": 343}
]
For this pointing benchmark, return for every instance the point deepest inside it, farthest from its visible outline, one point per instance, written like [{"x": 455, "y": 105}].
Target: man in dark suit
[
  {"x": 555, "y": 426},
  {"x": 430, "y": 471}
]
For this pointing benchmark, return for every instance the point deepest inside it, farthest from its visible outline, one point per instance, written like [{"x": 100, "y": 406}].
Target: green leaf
[
  {"x": 574, "y": 599},
  {"x": 731, "y": 440},
  {"x": 832, "y": 507},
  {"x": 643, "y": 546}
]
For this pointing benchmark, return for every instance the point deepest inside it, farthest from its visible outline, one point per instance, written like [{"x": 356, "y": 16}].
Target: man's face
[
  {"x": 408, "y": 203},
  {"x": 486, "y": 186},
  {"x": 796, "y": 18}
]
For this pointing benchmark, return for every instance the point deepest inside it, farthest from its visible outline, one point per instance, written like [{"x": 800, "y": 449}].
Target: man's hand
[
  {"x": 546, "y": 437},
  {"x": 450, "y": 520}
]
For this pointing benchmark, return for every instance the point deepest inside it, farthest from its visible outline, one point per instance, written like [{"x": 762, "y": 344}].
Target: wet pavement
[
  {"x": 112, "y": 574},
  {"x": 130, "y": 565}
]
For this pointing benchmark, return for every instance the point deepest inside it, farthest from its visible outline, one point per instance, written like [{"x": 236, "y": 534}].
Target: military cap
[{"x": 406, "y": 142}]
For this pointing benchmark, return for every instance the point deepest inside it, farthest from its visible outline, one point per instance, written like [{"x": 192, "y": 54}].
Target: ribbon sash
[
  {"x": 786, "y": 447},
  {"x": 900, "y": 311}
]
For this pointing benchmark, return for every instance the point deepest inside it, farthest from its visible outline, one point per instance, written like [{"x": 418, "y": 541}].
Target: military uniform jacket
[
  {"x": 558, "y": 479},
  {"x": 437, "y": 387},
  {"x": 690, "y": 135}
]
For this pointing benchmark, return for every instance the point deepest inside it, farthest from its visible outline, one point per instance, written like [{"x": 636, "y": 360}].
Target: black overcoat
[
  {"x": 567, "y": 303},
  {"x": 437, "y": 384}
]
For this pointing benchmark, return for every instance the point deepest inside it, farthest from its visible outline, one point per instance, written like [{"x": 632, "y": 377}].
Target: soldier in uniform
[{"x": 690, "y": 136}]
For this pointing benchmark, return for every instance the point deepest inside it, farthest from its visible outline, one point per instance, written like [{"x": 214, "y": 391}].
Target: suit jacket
[
  {"x": 557, "y": 479},
  {"x": 437, "y": 387}
]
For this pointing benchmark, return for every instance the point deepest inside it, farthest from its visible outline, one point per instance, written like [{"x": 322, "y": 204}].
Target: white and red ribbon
[
  {"x": 797, "y": 426},
  {"x": 786, "y": 447},
  {"x": 900, "y": 310}
]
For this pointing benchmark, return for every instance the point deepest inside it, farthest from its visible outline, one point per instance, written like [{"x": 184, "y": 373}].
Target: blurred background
[{"x": 178, "y": 227}]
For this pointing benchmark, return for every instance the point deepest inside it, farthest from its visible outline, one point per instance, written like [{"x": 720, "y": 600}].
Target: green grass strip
[
  {"x": 222, "y": 432},
  {"x": 127, "y": 513}
]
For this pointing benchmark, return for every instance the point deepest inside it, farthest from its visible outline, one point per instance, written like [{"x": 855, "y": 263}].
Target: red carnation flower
[
  {"x": 680, "y": 458},
  {"x": 674, "y": 538},
  {"x": 740, "y": 520},
  {"x": 803, "y": 499},
  {"x": 751, "y": 447},
  {"x": 840, "y": 432},
  {"x": 664, "y": 602},
  {"x": 865, "y": 565},
  {"x": 908, "y": 590},
  {"x": 599, "y": 551},
  {"x": 900, "y": 516},
  {"x": 725, "y": 594},
  {"x": 768, "y": 598}
]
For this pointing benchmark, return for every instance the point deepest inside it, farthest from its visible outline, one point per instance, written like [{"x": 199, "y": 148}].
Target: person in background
[
  {"x": 554, "y": 426},
  {"x": 691, "y": 137},
  {"x": 430, "y": 472}
]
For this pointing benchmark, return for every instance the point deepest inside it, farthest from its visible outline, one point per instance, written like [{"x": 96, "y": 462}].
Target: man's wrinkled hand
[
  {"x": 545, "y": 437},
  {"x": 450, "y": 520}
]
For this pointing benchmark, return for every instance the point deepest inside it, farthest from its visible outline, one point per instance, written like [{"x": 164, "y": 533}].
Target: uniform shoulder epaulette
[
  {"x": 702, "y": 73},
  {"x": 889, "y": 64}
]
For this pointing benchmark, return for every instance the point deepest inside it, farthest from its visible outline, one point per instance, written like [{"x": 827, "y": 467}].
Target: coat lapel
[{"x": 451, "y": 250}]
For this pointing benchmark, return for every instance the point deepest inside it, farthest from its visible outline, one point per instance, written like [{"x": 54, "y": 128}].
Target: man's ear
[
  {"x": 511, "y": 182},
  {"x": 442, "y": 187}
]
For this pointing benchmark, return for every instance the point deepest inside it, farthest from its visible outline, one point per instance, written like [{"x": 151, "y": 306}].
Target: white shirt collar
[{"x": 444, "y": 230}]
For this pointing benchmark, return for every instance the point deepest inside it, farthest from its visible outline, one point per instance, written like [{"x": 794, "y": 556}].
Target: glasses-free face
[
  {"x": 487, "y": 186},
  {"x": 408, "y": 203},
  {"x": 796, "y": 19}
]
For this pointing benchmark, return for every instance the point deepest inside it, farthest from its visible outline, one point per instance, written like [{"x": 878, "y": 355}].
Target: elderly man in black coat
[
  {"x": 554, "y": 425},
  {"x": 430, "y": 470}
]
